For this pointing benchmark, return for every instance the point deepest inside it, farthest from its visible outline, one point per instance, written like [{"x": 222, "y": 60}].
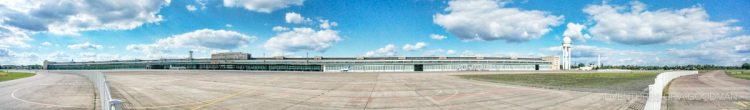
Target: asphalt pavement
[{"x": 48, "y": 90}]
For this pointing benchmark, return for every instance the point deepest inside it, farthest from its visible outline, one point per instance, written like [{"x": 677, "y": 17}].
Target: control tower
[{"x": 566, "y": 45}]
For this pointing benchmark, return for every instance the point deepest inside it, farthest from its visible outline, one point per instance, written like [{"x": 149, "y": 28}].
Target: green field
[
  {"x": 744, "y": 74},
  {"x": 589, "y": 82},
  {"x": 4, "y": 76}
]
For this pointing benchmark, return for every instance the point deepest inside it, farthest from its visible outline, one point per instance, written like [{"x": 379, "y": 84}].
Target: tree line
[{"x": 676, "y": 67}]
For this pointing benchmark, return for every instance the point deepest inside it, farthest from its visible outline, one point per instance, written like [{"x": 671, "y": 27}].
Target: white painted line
[{"x": 13, "y": 94}]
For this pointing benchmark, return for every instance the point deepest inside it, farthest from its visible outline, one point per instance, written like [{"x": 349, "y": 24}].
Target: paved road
[
  {"x": 270, "y": 91},
  {"x": 47, "y": 91},
  {"x": 708, "y": 91}
]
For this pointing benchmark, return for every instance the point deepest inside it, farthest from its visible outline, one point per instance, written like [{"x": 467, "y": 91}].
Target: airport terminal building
[{"x": 244, "y": 61}]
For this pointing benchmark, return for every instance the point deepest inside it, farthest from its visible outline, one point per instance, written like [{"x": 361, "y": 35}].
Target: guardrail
[
  {"x": 656, "y": 90},
  {"x": 100, "y": 81}
]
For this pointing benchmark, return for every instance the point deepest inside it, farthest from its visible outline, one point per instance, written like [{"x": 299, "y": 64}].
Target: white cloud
[
  {"x": 489, "y": 20},
  {"x": 191, "y": 7},
  {"x": 264, "y": 6},
  {"x": 325, "y": 24},
  {"x": 437, "y": 36},
  {"x": 19, "y": 58},
  {"x": 439, "y": 52},
  {"x": 742, "y": 48},
  {"x": 388, "y": 50},
  {"x": 296, "y": 18},
  {"x": 4, "y": 52},
  {"x": 89, "y": 56},
  {"x": 59, "y": 56},
  {"x": 728, "y": 51},
  {"x": 449, "y": 52},
  {"x": 85, "y": 46},
  {"x": 574, "y": 31},
  {"x": 13, "y": 37},
  {"x": 46, "y": 44},
  {"x": 151, "y": 50},
  {"x": 469, "y": 53},
  {"x": 201, "y": 3},
  {"x": 641, "y": 27},
  {"x": 415, "y": 47},
  {"x": 279, "y": 28},
  {"x": 587, "y": 54},
  {"x": 299, "y": 39},
  {"x": 587, "y": 51},
  {"x": 228, "y": 25},
  {"x": 198, "y": 39},
  {"x": 71, "y": 16}
]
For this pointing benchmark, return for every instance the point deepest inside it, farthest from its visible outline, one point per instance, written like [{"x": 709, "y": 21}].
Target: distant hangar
[{"x": 244, "y": 61}]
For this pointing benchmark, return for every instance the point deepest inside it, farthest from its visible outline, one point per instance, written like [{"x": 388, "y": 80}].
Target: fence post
[{"x": 116, "y": 104}]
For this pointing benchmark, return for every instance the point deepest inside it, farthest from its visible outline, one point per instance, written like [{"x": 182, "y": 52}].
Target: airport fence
[
  {"x": 105, "y": 98},
  {"x": 656, "y": 90}
]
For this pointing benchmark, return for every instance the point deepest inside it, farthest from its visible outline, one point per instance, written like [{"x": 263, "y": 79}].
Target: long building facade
[{"x": 243, "y": 61}]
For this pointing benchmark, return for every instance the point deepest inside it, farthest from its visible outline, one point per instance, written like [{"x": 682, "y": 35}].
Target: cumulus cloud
[
  {"x": 449, "y": 52},
  {"x": 279, "y": 28},
  {"x": 191, "y": 7},
  {"x": 198, "y": 39},
  {"x": 296, "y": 18},
  {"x": 728, "y": 51},
  {"x": 59, "y": 56},
  {"x": 742, "y": 48},
  {"x": 437, "y": 36},
  {"x": 299, "y": 39},
  {"x": 489, "y": 20},
  {"x": 637, "y": 26},
  {"x": 388, "y": 50},
  {"x": 24, "y": 58},
  {"x": 46, "y": 44},
  {"x": 13, "y": 37},
  {"x": 415, "y": 47},
  {"x": 469, "y": 53},
  {"x": 325, "y": 24},
  {"x": 588, "y": 54},
  {"x": 9, "y": 57},
  {"x": 574, "y": 31},
  {"x": 264, "y": 6},
  {"x": 439, "y": 52},
  {"x": 201, "y": 5},
  {"x": 89, "y": 56},
  {"x": 72, "y": 16},
  {"x": 85, "y": 46},
  {"x": 587, "y": 51},
  {"x": 4, "y": 52}
]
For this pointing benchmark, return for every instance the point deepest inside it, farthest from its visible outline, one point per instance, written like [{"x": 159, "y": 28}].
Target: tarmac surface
[
  {"x": 238, "y": 90},
  {"x": 45, "y": 91},
  {"x": 708, "y": 91}
]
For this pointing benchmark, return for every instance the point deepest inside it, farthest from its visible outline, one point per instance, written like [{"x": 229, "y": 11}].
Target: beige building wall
[{"x": 554, "y": 61}]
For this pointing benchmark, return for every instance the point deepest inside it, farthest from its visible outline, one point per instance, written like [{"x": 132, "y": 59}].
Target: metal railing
[
  {"x": 656, "y": 90},
  {"x": 100, "y": 81}
]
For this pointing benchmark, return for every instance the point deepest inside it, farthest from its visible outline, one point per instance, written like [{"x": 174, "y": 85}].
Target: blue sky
[{"x": 664, "y": 32}]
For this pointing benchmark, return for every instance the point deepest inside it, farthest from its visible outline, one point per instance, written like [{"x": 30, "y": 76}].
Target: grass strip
[
  {"x": 742, "y": 74},
  {"x": 635, "y": 81},
  {"x": 5, "y": 76}
]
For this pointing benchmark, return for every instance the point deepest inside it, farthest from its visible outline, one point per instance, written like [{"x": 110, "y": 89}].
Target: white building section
[
  {"x": 244, "y": 61},
  {"x": 566, "y": 52}
]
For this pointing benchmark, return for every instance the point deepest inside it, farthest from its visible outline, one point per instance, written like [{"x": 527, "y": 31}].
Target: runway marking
[
  {"x": 219, "y": 99},
  {"x": 13, "y": 95},
  {"x": 742, "y": 103}
]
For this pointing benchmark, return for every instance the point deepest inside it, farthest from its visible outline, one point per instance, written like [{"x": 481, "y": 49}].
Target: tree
[
  {"x": 746, "y": 66},
  {"x": 581, "y": 65}
]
